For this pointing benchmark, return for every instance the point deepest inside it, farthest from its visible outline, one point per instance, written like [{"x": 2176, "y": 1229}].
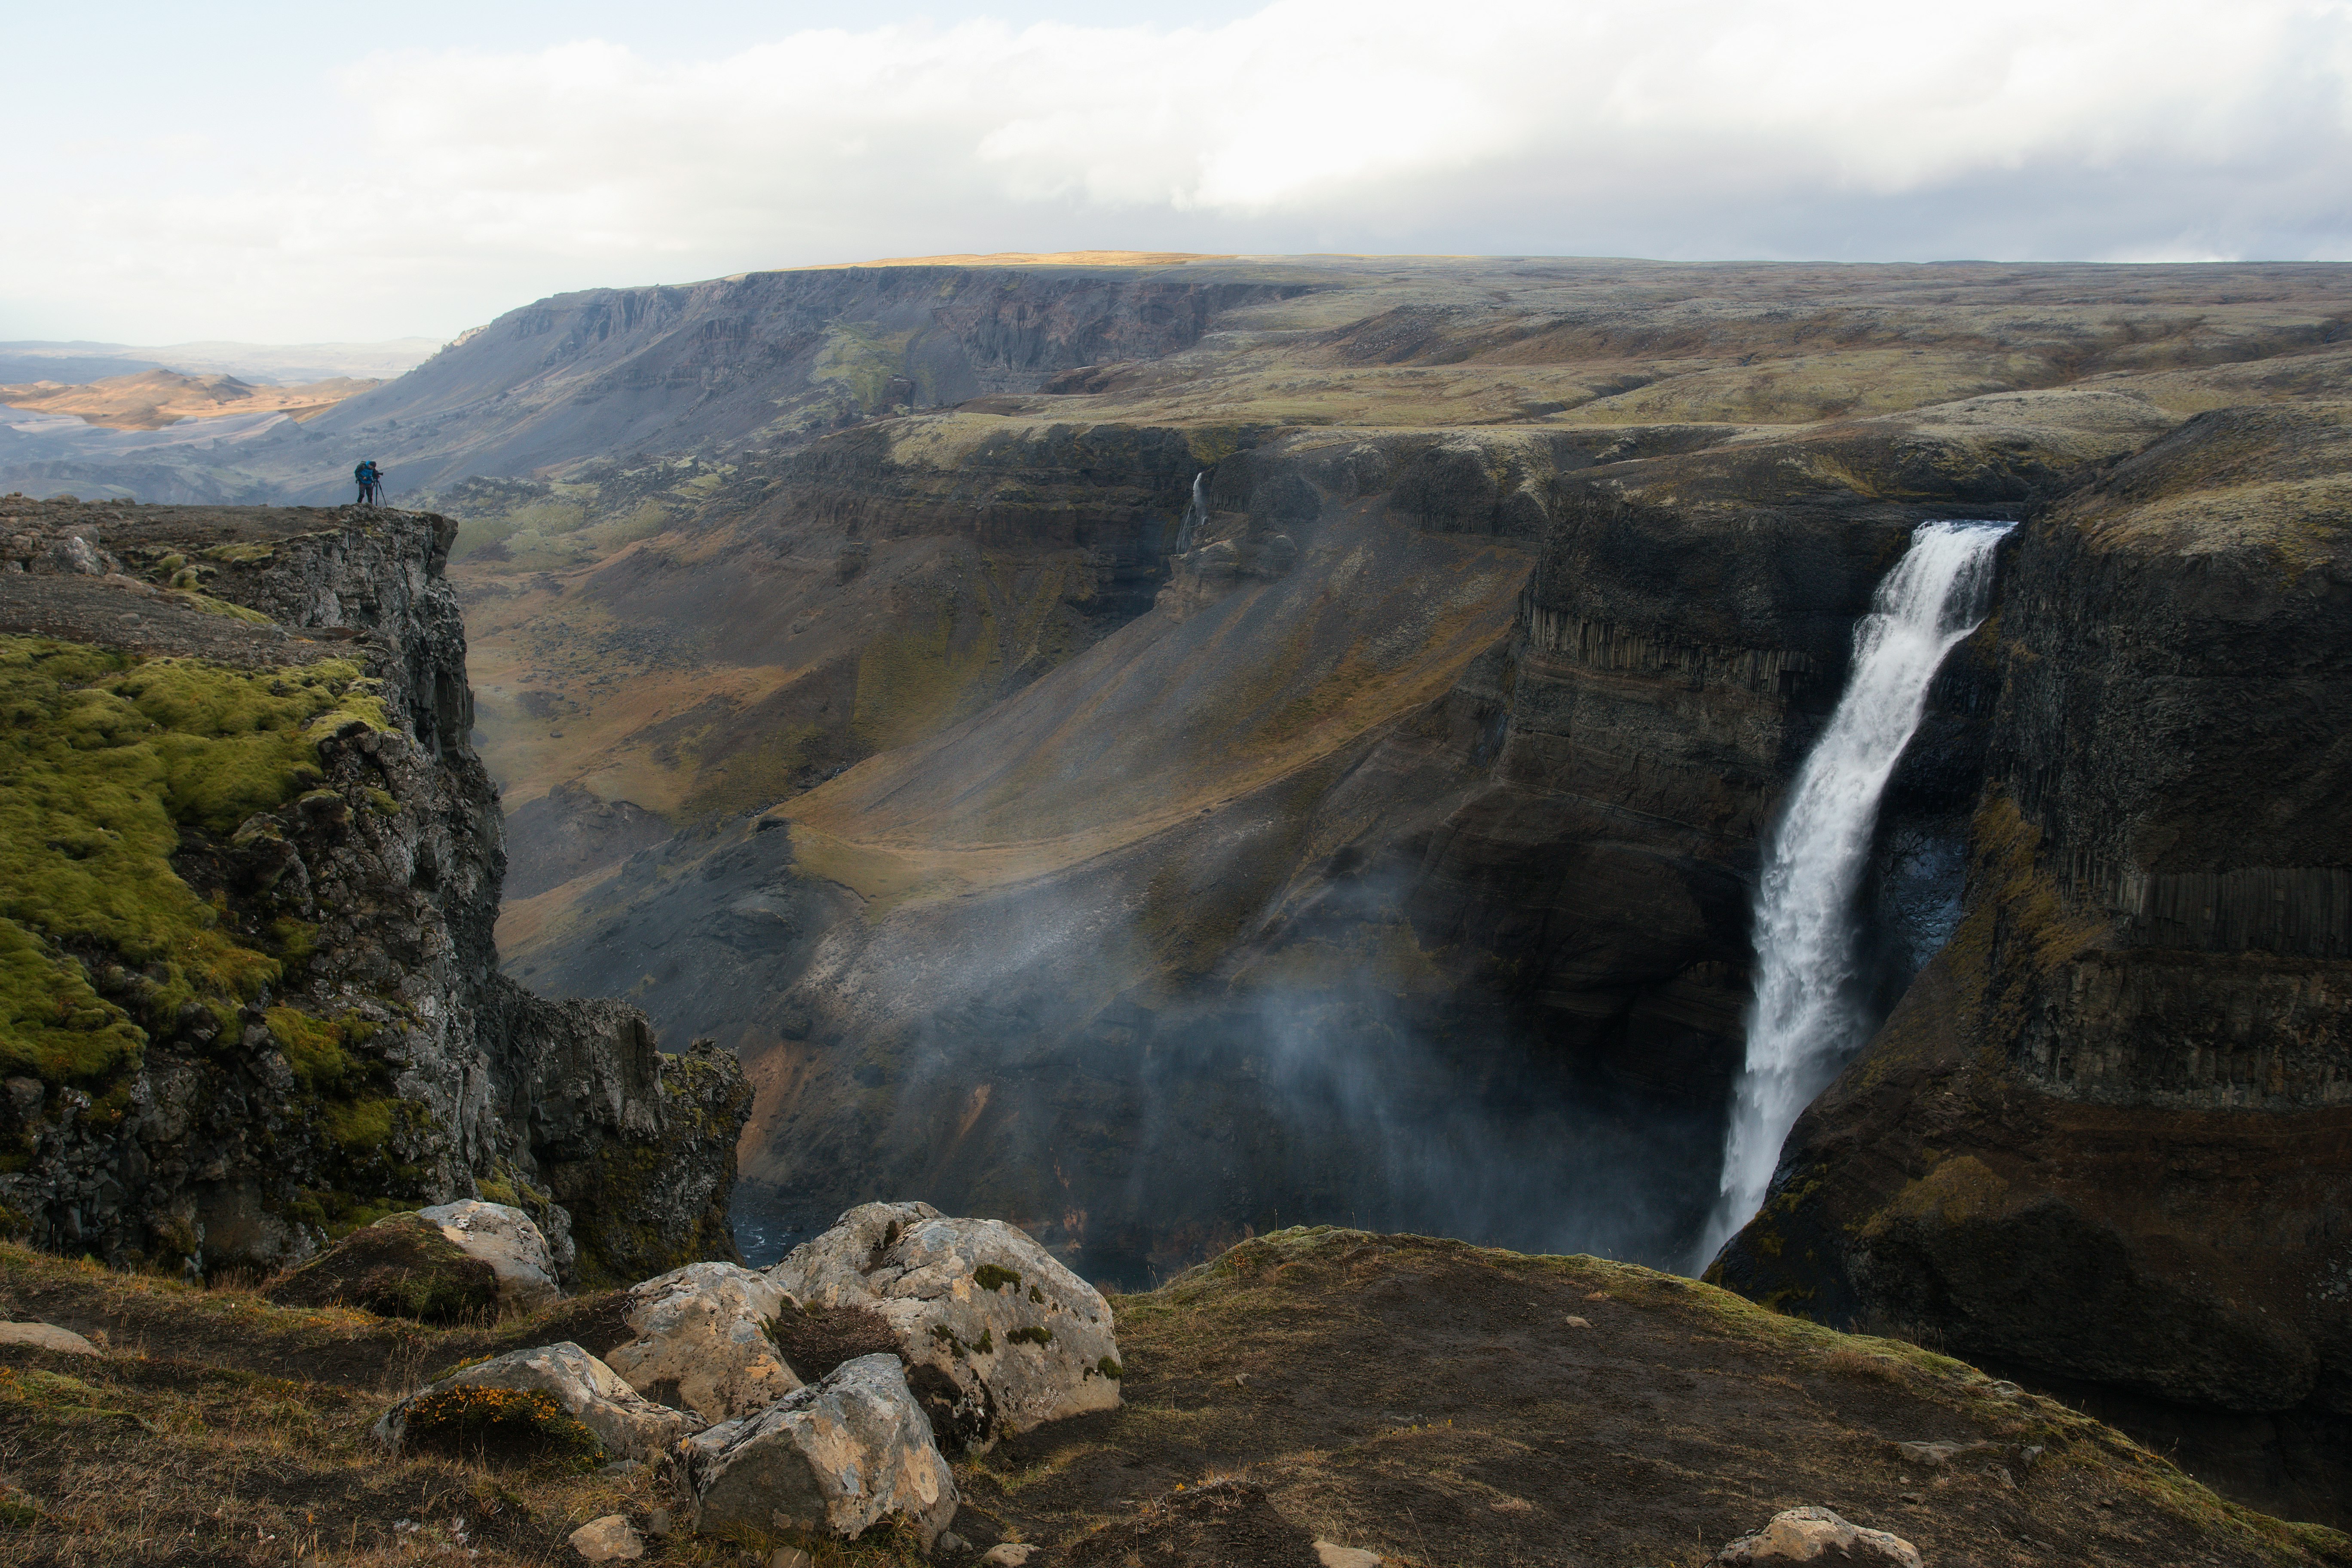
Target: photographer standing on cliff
[{"x": 371, "y": 482}]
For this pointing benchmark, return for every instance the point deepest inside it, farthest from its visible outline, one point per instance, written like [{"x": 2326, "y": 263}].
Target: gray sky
[{"x": 282, "y": 172}]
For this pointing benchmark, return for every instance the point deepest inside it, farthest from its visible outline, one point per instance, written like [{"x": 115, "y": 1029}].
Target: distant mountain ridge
[
  {"x": 265, "y": 363},
  {"x": 703, "y": 367}
]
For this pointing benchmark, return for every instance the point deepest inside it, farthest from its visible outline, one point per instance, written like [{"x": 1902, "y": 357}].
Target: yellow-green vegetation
[
  {"x": 104, "y": 760},
  {"x": 212, "y": 606},
  {"x": 863, "y": 358},
  {"x": 471, "y": 1419},
  {"x": 930, "y": 670}
]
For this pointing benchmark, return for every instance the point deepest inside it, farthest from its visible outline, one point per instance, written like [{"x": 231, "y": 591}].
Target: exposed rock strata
[{"x": 417, "y": 1073}]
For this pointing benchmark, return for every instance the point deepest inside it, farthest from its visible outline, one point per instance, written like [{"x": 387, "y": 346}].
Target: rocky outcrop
[
  {"x": 837, "y": 1458},
  {"x": 997, "y": 1335},
  {"x": 503, "y": 1239},
  {"x": 629, "y": 1426},
  {"x": 705, "y": 1340},
  {"x": 296, "y": 1021},
  {"x": 2128, "y": 1070}
]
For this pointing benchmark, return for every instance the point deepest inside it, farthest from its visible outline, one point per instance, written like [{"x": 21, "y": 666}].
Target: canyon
[{"x": 1165, "y": 751}]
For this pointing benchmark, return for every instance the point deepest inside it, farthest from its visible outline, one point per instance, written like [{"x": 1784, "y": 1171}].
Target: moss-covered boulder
[{"x": 400, "y": 1266}]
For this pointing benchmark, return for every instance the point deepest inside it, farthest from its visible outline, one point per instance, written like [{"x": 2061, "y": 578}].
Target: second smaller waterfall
[
  {"x": 1195, "y": 513},
  {"x": 1806, "y": 1022}
]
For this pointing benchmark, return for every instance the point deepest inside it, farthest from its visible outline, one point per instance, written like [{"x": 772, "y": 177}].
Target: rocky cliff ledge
[
  {"x": 2106, "y": 1137},
  {"x": 249, "y": 869}
]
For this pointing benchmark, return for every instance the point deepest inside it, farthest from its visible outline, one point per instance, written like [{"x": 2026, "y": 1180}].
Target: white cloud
[{"x": 1656, "y": 127}]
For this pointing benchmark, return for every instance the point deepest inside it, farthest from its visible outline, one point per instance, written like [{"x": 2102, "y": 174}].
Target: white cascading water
[
  {"x": 1807, "y": 1020},
  {"x": 1195, "y": 513}
]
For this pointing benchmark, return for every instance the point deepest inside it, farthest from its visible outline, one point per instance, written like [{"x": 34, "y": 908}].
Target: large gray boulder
[
  {"x": 705, "y": 1341},
  {"x": 997, "y": 1335},
  {"x": 504, "y": 1238},
  {"x": 629, "y": 1426},
  {"x": 840, "y": 1455}
]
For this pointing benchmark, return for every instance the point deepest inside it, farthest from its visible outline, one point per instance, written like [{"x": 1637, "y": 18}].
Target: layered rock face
[
  {"x": 2106, "y": 1137},
  {"x": 327, "y": 1036}
]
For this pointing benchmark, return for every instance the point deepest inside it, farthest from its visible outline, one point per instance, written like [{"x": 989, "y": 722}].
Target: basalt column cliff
[{"x": 252, "y": 866}]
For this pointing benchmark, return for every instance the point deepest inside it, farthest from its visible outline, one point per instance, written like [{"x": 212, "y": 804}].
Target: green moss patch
[
  {"x": 401, "y": 1267},
  {"x": 103, "y": 761}
]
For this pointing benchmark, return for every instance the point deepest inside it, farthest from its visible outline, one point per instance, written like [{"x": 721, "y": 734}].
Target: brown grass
[{"x": 1422, "y": 1398}]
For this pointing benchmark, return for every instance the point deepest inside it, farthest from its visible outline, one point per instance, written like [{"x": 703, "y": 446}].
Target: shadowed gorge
[
  {"x": 1370, "y": 839},
  {"x": 1163, "y": 754}
]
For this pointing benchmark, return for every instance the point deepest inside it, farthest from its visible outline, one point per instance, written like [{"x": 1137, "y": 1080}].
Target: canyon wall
[
  {"x": 1402, "y": 849},
  {"x": 2104, "y": 1138}
]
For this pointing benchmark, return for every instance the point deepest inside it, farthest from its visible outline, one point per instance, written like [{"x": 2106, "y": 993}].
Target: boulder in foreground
[
  {"x": 504, "y": 1237},
  {"x": 623, "y": 1424},
  {"x": 400, "y": 1266},
  {"x": 839, "y": 1455},
  {"x": 705, "y": 1342},
  {"x": 998, "y": 1336}
]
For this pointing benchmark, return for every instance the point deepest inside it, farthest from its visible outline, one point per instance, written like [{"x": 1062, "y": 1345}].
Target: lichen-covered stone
[
  {"x": 504, "y": 1238},
  {"x": 839, "y": 1455},
  {"x": 1000, "y": 1336},
  {"x": 629, "y": 1426},
  {"x": 705, "y": 1341}
]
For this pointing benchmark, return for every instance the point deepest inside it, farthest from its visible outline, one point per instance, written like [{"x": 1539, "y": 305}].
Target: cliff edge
[{"x": 250, "y": 869}]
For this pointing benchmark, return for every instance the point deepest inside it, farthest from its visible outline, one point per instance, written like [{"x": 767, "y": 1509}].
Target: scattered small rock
[
  {"x": 606, "y": 1539},
  {"x": 951, "y": 1542},
  {"x": 1011, "y": 1555},
  {"x": 1576, "y": 1323},
  {"x": 46, "y": 1337},
  {"x": 791, "y": 1557},
  {"x": 657, "y": 1524},
  {"x": 1816, "y": 1535},
  {"x": 1941, "y": 1451},
  {"x": 1332, "y": 1555}
]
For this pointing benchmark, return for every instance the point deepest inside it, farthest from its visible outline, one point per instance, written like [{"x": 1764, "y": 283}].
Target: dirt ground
[{"x": 1437, "y": 1404}]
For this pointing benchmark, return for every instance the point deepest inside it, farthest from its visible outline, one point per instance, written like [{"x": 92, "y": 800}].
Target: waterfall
[
  {"x": 1195, "y": 513},
  {"x": 1808, "y": 1016}
]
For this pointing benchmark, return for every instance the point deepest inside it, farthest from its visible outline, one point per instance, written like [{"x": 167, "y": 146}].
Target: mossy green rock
[{"x": 400, "y": 1266}]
